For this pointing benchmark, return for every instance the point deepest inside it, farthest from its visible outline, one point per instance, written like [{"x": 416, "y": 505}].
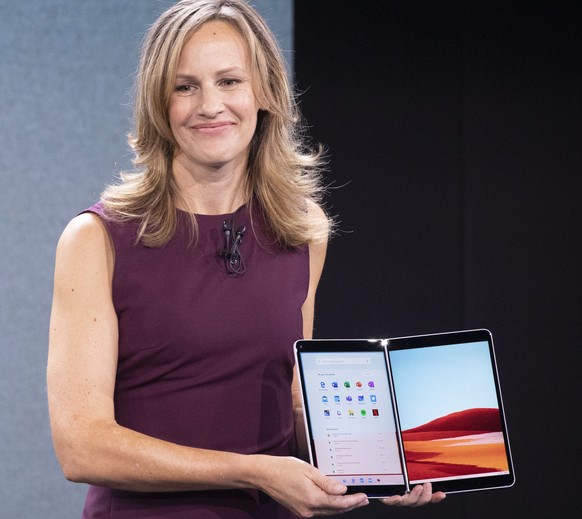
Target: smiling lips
[{"x": 211, "y": 128}]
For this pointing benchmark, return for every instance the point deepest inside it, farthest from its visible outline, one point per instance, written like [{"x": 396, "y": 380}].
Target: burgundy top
[{"x": 205, "y": 359}]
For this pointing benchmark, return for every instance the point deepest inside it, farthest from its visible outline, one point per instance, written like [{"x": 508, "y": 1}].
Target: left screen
[{"x": 351, "y": 418}]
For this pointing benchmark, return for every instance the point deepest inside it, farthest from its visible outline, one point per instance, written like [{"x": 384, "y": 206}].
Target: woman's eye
[
  {"x": 184, "y": 89},
  {"x": 230, "y": 82}
]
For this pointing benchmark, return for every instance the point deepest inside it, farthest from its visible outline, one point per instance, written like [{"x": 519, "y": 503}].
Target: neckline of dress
[{"x": 217, "y": 216}]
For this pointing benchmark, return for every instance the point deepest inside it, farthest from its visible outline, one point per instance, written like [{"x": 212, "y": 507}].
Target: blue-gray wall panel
[{"x": 65, "y": 77}]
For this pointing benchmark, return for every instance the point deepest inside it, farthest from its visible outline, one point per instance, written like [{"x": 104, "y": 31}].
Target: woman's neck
[{"x": 209, "y": 191}]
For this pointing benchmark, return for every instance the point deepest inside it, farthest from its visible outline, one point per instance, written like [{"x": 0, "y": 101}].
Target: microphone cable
[{"x": 234, "y": 262}]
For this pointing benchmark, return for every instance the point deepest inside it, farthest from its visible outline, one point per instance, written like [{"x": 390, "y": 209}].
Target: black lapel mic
[
  {"x": 233, "y": 261},
  {"x": 227, "y": 232}
]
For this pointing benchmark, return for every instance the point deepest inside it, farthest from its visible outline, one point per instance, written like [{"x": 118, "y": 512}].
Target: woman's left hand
[{"x": 418, "y": 496}]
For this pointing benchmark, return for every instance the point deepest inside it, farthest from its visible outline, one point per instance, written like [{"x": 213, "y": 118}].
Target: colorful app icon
[
  {"x": 360, "y": 398},
  {"x": 324, "y": 399},
  {"x": 373, "y": 399},
  {"x": 375, "y": 412},
  {"x": 336, "y": 398},
  {"x": 349, "y": 398},
  {"x": 326, "y": 412},
  {"x": 338, "y": 412},
  {"x": 351, "y": 412},
  {"x": 363, "y": 412},
  {"x": 358, "y": 384},
  {"x": 322, "y": 384},
  {"x": 346, "y": 384},
  {"x": 334, "y": 385},
  {"x": 371, "y": 383}
]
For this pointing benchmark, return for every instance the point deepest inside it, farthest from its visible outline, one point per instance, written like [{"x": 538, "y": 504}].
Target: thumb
[{"x": 329, "y": 485}]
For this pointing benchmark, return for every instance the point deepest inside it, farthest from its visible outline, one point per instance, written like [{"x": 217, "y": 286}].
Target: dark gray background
[{"x": 456, "y": 128}]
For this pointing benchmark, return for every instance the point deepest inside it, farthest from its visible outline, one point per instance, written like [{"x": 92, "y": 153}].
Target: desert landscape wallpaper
[{"x": 459, "y": 444}]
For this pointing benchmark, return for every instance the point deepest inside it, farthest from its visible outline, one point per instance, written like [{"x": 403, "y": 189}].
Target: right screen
[{"x": 449, "y": 412}]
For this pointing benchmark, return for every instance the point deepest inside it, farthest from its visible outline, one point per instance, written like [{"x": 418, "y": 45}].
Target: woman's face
[{"x": 213, "y": 110}]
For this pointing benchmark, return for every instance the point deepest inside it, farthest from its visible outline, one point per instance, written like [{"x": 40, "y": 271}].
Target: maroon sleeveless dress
[{"x": 205, "y": 358}]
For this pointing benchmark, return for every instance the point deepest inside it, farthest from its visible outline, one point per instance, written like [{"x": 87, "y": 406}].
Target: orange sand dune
[
  {"x": 436, "y": 435},
  {"x": 458, "y": 444},
  {"x": 424, "y": 471},
  {"x": 453, "y": 451}
]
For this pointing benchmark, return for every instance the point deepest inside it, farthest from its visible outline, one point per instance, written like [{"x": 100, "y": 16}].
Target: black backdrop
[{"x": 455, "y": 140}]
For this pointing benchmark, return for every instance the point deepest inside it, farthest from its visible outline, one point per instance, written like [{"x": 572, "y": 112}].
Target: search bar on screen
[{"x": 342, "y": 361}]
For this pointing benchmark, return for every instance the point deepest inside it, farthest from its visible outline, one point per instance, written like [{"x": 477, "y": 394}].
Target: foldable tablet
[{"x": 384, "y": 415}]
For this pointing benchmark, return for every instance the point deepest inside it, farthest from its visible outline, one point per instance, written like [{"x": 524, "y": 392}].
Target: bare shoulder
[
  {"x": 315, "y": 210},
  {"x": 85, "y": 235},
  {"x": 84, "y": 230},
  {"x": 84, "y": 246},
  {"x": 318, "y": 246}
]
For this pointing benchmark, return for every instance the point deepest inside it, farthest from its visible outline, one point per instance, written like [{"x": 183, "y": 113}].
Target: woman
[{"x": 178, "y": 296}]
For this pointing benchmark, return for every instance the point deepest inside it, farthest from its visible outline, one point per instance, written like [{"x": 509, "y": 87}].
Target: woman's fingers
[{"x": 420, "y": 495}]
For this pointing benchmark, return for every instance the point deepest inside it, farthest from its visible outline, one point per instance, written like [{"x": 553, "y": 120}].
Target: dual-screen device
[{"x": 384, "y": 415}]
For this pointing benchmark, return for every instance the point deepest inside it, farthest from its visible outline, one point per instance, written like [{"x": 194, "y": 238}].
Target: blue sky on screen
[{"x": 436, "y": 381}]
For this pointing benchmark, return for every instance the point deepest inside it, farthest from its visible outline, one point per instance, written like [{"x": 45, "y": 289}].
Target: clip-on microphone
[{"x": 233, "y": 261}]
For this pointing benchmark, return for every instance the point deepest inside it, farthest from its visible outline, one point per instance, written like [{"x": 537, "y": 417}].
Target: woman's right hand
[{"x": 302, "y": 488}]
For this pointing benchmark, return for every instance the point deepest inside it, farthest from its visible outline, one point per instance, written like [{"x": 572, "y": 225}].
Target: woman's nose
[{"x": 210, "y": 102}]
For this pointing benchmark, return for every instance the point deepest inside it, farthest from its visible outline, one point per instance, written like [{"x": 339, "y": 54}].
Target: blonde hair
[{"x": 283, "y": 177}]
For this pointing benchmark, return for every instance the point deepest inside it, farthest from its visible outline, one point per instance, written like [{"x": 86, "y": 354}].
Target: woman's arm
[
  {"x": 92, "y": 447},
  {"x": 317, "y": 252}
]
